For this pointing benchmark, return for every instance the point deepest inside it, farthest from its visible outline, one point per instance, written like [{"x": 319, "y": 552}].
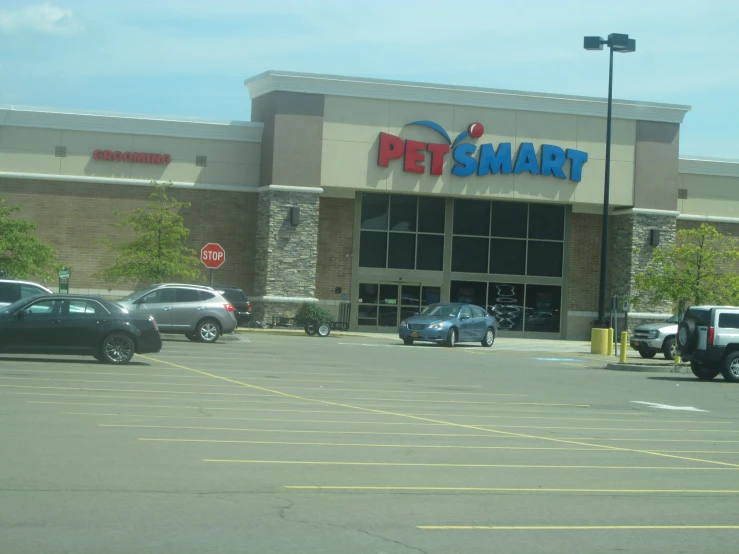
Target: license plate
[
  {"x": 414, "y": 334},
  {"x": 635, "y": 343}
]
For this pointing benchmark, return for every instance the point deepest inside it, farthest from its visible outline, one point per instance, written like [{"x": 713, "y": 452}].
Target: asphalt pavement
[{"x": 271, "y": 443}]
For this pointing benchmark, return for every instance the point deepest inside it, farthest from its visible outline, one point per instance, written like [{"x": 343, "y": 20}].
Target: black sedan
[{"x": 74, "y": 324}]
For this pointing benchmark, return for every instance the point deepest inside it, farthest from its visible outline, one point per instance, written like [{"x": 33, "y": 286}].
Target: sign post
[
  {"x": 64, "y": 274},
  {"x": 213, "y": 256}
]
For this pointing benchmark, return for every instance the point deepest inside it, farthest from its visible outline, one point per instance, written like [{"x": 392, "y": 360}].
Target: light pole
[{"x": 616, "y": 43}]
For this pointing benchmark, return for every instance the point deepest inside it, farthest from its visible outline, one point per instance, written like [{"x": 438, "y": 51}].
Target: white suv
[
  {"x": 708, "y": 337},
  {"x": 11, "y": 290}
]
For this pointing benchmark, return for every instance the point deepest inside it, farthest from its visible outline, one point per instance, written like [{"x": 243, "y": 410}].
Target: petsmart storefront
[{"x": 377, "y": 198}]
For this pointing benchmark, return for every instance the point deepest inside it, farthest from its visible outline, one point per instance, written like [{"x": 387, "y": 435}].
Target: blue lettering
[
  {"x": 526, "y": 160},
  {"x": 578, "y": 158},
  {"x": 466, "y": 164},
  {"x": 494, "y": 162},
  {"x": 552, "y": 160}
]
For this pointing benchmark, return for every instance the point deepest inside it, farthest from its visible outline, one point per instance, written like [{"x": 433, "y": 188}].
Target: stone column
[
  {"x": 630, "y": 251},
  {"x": 285, "y": 265}
]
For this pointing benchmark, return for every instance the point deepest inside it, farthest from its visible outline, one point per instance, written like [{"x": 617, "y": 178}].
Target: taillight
[
  {"x": 248, "y": 306},
  {"x": 711, "y": 335},
  {"x": 229, "y": 307}
]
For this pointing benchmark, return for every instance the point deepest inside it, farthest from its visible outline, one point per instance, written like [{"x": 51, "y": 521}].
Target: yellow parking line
[
  {"x": 141, "y": 390},
  {"x": 572, "y": 527},
  {"x": 509, "y": 466},
  {"x": 503, "y": 489},
  {"x": 485, "y": 429},
  {"x": 361, "y": 445}
]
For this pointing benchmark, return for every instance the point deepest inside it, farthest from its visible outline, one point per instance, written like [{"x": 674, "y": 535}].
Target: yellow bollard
[
  {"x": 599, "y": 341},
  {"x": 624, "y": 342},
  {"x": 610, "y": 341},
  {"x": 678, "y": 359}
]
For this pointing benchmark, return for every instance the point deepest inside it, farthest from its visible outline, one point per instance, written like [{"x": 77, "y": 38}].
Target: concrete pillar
[{"x": 286, "y": 253}]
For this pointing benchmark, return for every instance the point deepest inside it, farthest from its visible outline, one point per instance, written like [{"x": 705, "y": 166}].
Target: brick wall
[
  {"x": 73, "y": 217},
  {"x": 584, "y": 262},
  {"x": 335, "y": 239}
]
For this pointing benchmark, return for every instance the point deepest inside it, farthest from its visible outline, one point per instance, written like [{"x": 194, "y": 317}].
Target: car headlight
[
  {"x": 439, "y": 325},
  {"x": 653, "y": 334}
]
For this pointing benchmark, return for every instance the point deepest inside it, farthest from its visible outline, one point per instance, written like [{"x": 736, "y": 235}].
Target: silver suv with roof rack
[
  {"x": 708, "y": 337},
  {"x": 196, "y": 311},
  {"x": 12, "y": 290}
]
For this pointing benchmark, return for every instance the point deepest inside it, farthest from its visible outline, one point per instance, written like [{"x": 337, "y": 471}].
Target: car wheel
[
  {"x": 117, "y": 348},
  {"x": 668, "y": 348},
  {"x": 192, "y": 337},
  {"x": 730, "y": 367},
  {"x": 686, "y": 336},
  {"x": 408, "y": 342},
  {"x": 451, "y": 338},
  {"x": 649, "y": 354},
  {"x": 310, "y": 330},
  {"x": 324, "y": 329},
  {"x": 489, "y": 337},
  {"x": 208, "y": 331},
  {"x": 703, "y": 372}
]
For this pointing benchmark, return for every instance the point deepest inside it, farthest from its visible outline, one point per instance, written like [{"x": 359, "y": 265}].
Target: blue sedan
[{"x": 449, "y": 324}]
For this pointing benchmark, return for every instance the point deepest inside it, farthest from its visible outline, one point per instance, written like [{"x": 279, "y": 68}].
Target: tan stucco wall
[
  {"x": 31, "y": 150},
  {"x": 709, "y": 195},
  {"x": 350, "y": 146}
]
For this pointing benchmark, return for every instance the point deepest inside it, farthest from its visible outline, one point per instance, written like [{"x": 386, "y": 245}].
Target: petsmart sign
[{"x": 481, "y": 160}]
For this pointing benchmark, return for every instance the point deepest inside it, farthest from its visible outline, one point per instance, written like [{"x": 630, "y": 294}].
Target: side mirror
[
  {"x": 140, "y": 301},
  {"x": 21, "y": 314}
]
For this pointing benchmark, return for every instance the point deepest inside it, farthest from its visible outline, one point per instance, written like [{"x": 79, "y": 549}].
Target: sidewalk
[{"x": 550, "y": 348}]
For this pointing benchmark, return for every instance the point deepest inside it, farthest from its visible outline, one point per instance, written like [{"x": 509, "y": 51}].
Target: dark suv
[
  {"x": 240, "y": 303},
  {"x": 708, "y": 337}
]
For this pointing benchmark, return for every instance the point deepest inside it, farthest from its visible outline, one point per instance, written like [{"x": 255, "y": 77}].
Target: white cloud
[{"x": 43, "y": 18}]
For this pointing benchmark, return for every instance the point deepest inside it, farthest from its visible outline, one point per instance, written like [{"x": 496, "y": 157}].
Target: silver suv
[
  {"x": 651, "y": 338},
  {"x": 708, "y": 337},
  {"x": 199, "y": 313},
  {"x": 11, "y": 290}
]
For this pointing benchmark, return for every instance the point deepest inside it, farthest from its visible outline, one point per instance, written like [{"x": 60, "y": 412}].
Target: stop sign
[{"x": 212, "y": 255}]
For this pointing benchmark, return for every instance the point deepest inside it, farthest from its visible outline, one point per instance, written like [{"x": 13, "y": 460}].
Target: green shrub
[{"x": 310, "y": 313}]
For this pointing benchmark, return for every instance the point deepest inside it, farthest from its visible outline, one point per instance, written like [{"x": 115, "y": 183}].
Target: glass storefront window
[
  {"x": 507, "y": 256},
  {"x": 509, "y": 219},
  {"x": 470, "y": 254},
  {"x": 544, "y": 259},
  {"x": 506, "y": 302},
  {"x": 368, "y": 293},
  {"x": 469, "y": 292},
  {"x": 431, "y": 214},
  {"x": 372, "y": 249},
  {"x": 388, "y": 294},
  {"x": 367, "y": 315},
  {"x": 403, "y": 213},
  {"x": 402, "y": 251},
  {"x": 375, "y": 211},
  {"x": 472, "y": 217},
  {"x": 430, "y": 252},
  {"x": 430, "y": 295},
  {"x": 546, "y": 222},
  {"x": 543, "y": 308}
]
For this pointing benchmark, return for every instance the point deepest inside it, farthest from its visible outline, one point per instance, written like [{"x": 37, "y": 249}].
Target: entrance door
[{"x": 385, "y": 305}]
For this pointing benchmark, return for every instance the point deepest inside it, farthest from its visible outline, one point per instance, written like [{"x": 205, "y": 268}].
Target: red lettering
[
  {"x": 166, "y": 159},
  {"x": 391, "y": 148},
  {"x": 117, "y": 156},
  {"x": 97, "y": 154},
  {"x": 156, "y": 158},
  {"x": 127, "y": 157},
  {"x": 438, "y": 151},
  {"x": 139, "y": 158},
  {"x": 148, "y": 158},
  {"x": 107, "y": 155},
  {"x": 414, "y": 156}
]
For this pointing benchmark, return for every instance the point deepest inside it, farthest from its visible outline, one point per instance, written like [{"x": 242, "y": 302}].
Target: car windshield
[
  {"x": 441, "y": 310},
  {"x": 14, "y": 307}
]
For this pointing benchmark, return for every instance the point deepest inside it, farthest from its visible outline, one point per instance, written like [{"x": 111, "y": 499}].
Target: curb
[
  {"x": 644, "y": 368},
  {"x": 297, "y": 332}
]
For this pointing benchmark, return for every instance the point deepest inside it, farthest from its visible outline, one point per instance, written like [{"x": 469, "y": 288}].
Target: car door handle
[
  {"x": 201, "y": 308},
  {"x": 167, "y": 309}
]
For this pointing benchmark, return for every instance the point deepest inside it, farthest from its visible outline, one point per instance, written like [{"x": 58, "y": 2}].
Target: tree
[
  {"x": 22, "y": 254},
  {"x": 700, "y": 268},
  {"x": 158, "y": 253}
]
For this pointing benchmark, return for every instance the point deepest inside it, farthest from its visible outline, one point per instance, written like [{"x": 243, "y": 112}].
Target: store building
[{"x": 382, "y": 194}]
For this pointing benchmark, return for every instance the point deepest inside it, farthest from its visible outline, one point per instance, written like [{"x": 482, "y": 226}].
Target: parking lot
[{"x": 271, "y": 443}]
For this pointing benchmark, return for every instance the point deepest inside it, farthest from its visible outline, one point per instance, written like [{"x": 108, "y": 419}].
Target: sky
[{"x": 190, "y": 58}]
